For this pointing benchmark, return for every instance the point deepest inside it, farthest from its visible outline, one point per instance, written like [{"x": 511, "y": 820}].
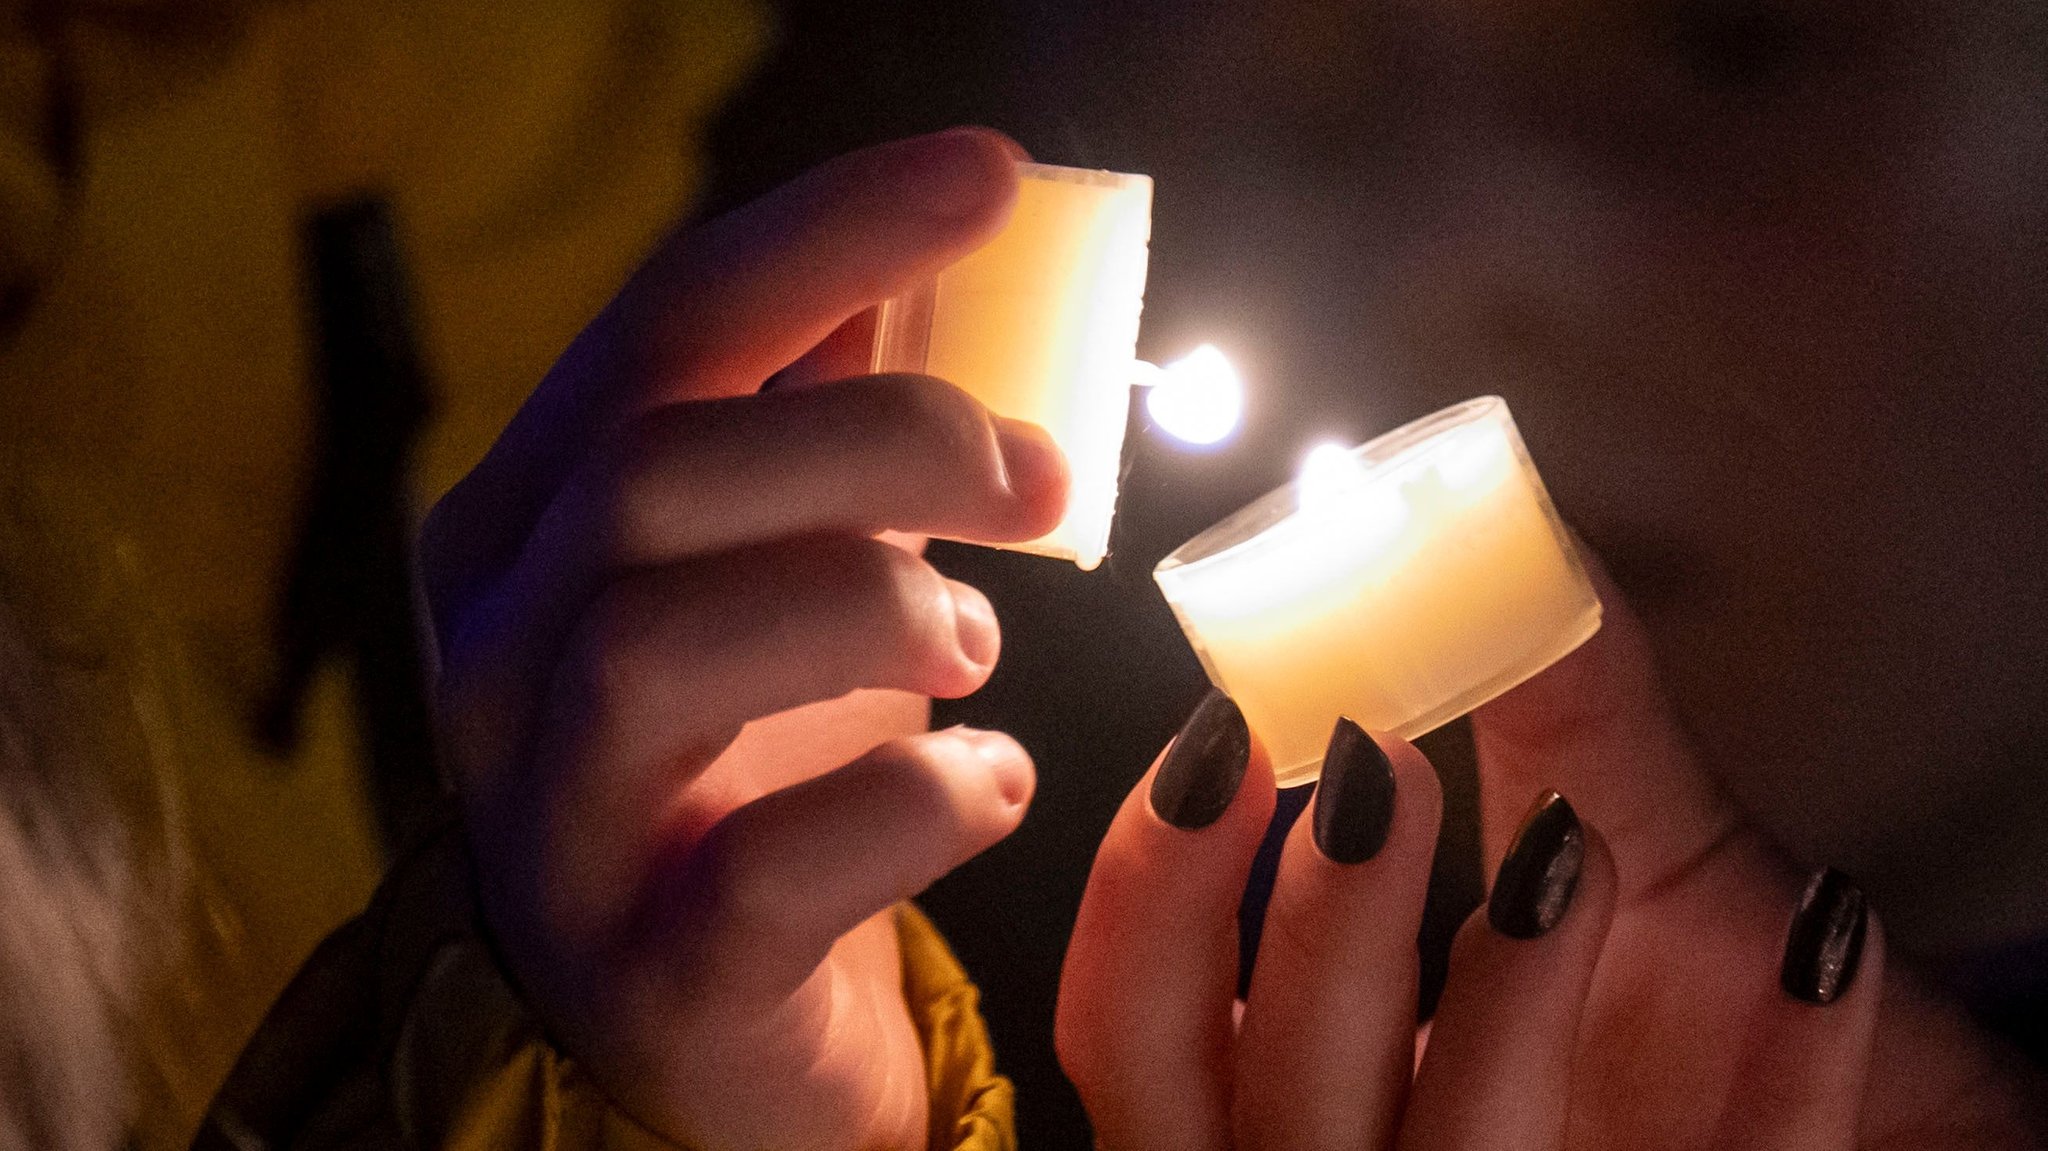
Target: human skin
[
  {"x": 1652, "y": 1014},
  {"x": 653, "y": 596},
  {"x": 684, "y": 685},
  {"x": 1763, "y": 281}
]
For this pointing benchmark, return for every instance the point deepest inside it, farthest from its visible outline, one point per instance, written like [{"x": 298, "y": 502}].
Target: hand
[
  {"x": 1648, "y": 1003},
  {"x": 666, "y": 624}
]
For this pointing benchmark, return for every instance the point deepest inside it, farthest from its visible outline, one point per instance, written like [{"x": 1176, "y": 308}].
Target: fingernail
[
  {"x": 974, "y": 624},
  {"x": 1033, "y": 464},
  {"x": 1541, "y": 871},
  {"x": 1204, "y": 766},
  {"x": 1825, "y": 942},
  {"x": 960, "y": 170},
  {"x": 1355, "y": 799}
]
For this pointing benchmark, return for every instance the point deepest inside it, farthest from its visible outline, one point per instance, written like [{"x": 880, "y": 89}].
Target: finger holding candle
[
  {"x": 714, "y": 312},
  {"x": 592, "y": 754},
  {"x": 1702, "y": 904},
  {"x": 1328, "y": 1042},
  {"x": 1807, "y": 1053},
  {"x": 1144, "y": 1027},
  {"x": 1499, "y": 1070},
  {"x": 1598, "y": 725},
  {"x": 712, "y": 477},
  {"x": 905, "y": 452},
  {"x": 1041, "y": 325}
]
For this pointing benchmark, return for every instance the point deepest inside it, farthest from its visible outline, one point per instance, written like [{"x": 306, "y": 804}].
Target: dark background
[{"x": 1095, "y": 677}]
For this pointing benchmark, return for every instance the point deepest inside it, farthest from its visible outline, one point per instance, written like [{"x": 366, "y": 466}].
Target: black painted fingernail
[
  {"x": 1204, "y": 766},
  {"x": 1537, "y": 878},
  {"x": 1826, "y": 939},
  {"x": 1355, "y": 799}
]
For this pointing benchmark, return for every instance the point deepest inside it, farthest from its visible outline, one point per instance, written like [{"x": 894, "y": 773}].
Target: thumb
[{"x": 1597, "y": 726}]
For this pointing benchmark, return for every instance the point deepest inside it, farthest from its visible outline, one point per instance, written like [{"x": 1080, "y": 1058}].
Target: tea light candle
[
  {"x": 1400, "y": 584},
  {"x": 1041, "y": 324}
]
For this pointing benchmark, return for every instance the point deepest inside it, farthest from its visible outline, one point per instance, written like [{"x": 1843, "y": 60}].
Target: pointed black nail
[
  {"x": 1204, "y": 766},
  {"x": 1826, "y": 939},
  {"x": 1355, "y": 799},
  {"x": 1541, "y": 871}
]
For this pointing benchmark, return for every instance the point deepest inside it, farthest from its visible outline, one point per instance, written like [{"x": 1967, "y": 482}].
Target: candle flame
[
  {"x": 1330, "y": 474},
  {"x": 1198, "y": 398},
  {"x": 1336, "y": 484}
]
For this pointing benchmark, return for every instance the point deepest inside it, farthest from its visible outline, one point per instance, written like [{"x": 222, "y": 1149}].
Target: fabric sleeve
[
  {"x": 70, "y": 61},
  {"x": 401, "y": 1031}
]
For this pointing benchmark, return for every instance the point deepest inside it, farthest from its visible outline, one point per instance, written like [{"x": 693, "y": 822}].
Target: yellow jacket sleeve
[
  {"x": 157, "y": 412},
  {"x": 401, "y": 1031}
]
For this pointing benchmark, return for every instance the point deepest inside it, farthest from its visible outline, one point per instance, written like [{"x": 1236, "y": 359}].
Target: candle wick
[{"x": 1198, "y": 399}]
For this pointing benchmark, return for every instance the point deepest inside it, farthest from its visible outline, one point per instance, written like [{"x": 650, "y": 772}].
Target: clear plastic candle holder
[
  {"x": 1400, "y": 584},
  {"x": 1041, "y": 324}
]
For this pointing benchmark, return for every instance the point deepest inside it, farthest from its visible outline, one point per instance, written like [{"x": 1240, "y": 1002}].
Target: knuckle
[
  {"x": 737, "y": 894},
  {"x": 933, "y": 418},
  {"x": 909, "y": 610},
  {"x": 600, "y": 668},
  {"x": 1292, "y": 929},
  {"x": 642, "y": 490},
  {"x": 615, "y": 490},
  {"x": 915, "y": 775}
]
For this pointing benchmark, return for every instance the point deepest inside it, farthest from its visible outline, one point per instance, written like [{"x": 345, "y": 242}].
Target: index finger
[
  {"x": 1144, "y": 1026},
  {"x": 1597, "y": 726}
]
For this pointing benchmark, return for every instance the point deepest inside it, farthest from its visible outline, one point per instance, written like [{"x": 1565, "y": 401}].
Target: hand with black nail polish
[
  {"x": 1741, "y": 1000},
  {"x": 1322, "y": 1052},
  {"x": 1646, "y": 973}
]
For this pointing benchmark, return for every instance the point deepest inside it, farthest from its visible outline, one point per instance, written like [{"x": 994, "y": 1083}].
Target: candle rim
[
  {"x": 1103, "y": 177},
  {"x": 1233, "y": 532}
]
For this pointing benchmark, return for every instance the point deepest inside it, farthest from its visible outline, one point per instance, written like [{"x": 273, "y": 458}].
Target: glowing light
[
  {"x": 1473, "y": 458},
  {"x": 1337, "y": 491},
  {"x": 1198, "y": 398},
  {"x": 1331, "y": 475},
  {"x": 1399, "y": 584}
]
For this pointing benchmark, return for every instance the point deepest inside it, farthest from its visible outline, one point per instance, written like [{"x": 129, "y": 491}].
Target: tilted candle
[
  {"x": 1400, "y": 584},
  {"x": 1041, "y": 324}
]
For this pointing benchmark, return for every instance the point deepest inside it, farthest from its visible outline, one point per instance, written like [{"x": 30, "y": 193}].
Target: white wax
[
  {"x": 1400, "y": 585},
  {"x": 1041, "y": 324}
]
